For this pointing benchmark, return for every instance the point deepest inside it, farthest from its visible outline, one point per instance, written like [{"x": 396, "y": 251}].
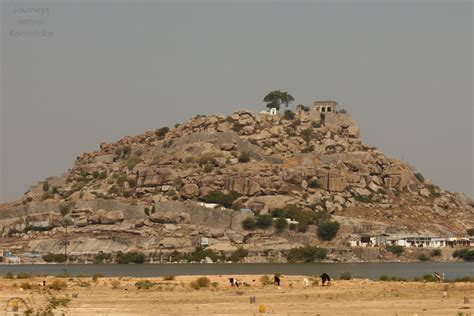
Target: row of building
[{"x": 406, "y": 240}]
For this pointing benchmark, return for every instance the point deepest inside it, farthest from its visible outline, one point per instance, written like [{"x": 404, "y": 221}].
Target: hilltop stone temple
[{"x": 325, "y": 106}]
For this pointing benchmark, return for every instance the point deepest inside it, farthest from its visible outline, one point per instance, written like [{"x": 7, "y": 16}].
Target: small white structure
[
  {"x": 291, "y": 221},
  {"x": 203, "y": 242},
  {"x": 273, "y": 111},
  {"x": 211, "y": 205},
  {"x": 405, "y": 240}
]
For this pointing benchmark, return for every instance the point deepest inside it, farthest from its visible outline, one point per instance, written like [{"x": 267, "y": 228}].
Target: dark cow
[
  {"x": 326, "y": 280},
  {"x": 276, "y": 280}
]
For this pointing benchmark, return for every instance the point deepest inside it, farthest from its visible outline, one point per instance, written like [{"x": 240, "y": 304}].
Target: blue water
[{"x": 365, "y": 270}]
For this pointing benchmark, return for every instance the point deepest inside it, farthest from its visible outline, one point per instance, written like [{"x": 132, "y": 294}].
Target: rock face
[
  {"x": 170, "y": 217},
  {"x": 142, "y": 192},
  {"x": 155, "y": 177},
  {"x": 332, "y": 181},
  {"x": 242, "y": 185},
  {"x": 109, "y": 218}
]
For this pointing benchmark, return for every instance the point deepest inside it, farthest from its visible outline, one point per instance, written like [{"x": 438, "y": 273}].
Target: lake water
[{"x": 365, "y": 270}]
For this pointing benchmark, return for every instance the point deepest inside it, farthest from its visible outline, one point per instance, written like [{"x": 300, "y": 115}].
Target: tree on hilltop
[{"x": 277, "y": 98}]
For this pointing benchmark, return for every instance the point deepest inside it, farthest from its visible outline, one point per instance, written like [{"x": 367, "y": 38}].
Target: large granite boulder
[{"x": 189, "y": 190}]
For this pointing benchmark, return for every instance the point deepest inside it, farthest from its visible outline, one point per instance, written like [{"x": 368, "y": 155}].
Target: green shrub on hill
[
  {"x": 328, "y": 230},
  {"x": 306, "y": 254},
  {"x": 130, "y": 257}
]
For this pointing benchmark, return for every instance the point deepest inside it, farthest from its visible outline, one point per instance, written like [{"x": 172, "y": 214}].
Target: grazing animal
[
  {"x": 234, "y": 282},
  {"x": 437, "y": 276},
  {"x": 305, "y": 282},
  {"x": 276, "y": 280},
  {"x": 326, "y": 280}
]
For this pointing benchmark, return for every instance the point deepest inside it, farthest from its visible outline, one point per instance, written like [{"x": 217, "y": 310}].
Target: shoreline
[{"x": 370, "y": 271}]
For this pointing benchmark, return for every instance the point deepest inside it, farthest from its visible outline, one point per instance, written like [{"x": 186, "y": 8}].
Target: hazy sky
[{"x": 75, "y": 74}]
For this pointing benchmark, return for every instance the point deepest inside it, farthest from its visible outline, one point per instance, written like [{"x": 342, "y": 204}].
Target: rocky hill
[{"x": 144, "y": 193}]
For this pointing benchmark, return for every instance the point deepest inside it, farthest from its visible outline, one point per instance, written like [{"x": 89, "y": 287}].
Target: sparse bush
[
  {"x": 244, "y": 157},
  {"x": 25, "y": 286},
  {"x": 396, "y": 249},
  {"x": 54, "y": 257},
  {"x": 265, "y": 280},
  {"x": 302, "y": 227},
  {"x": 237, "y": 127},
  {"x": 303, "y": 217},
  {"x": 215, "y": 285},
  {"x": 436, "y": 253},
  {"x": 46, "y": 196},
  {"x": 345, "y": 276},
  {"x": 127, "y": 194},
  {"x": 239, "y": 254},
  {"x": 130, "y": 257},
  {"x": 249, "y": 223},
  {"x": 201, "y": 253},
  {"x": 58, "y": 285},
  {"x": 306, "y": 254},
  {"x": 23, "y": 275},
  {"x": 124, "y": 152},
  {"x": 289, "y": 115},
  {"x": 132, "y": 161},
  {"x": 328, "y": 230},
  {"x": 169, "y": 278},
  {"x": 144, "y": 284},
  {"x": 433, "y": 190},
  {"x": 465, "y": 254},
  {"x": 428, "y": 278},
  {"x": 343, "y": 111},
  {"x": 200, "y": 283},
  {"x": 470, "y": 231},
  {"x": 219, "y": 197},
  {"x": 102, "y": 257},
  {"x": 420, "y": 177},
  {"x": 168, "y": 143},
  {"x": 96, "y": 277},
  {"x": 264, "y": 221},
  {"x": 208, "y": 168},
  {"x": 465, "y": 279},
  {"x": 161, "y": 133},
  {"x": 364, "y": 198},
  {"x": 423, "y": 257},
  {"x": 115, "y": 284},
  {"x": 384, "y": 277},
  {"x": 281, "y": 224},
  {"x": 8, "y": 275},
  {"x": 314, "y": 184},
  {"x": 46, "y": 186},
  {"x": 113, "y": 190},
  {"x": 121, "y": 179}
]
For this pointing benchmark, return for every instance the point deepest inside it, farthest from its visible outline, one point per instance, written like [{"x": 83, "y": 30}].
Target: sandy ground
[{"x": 176, "y": 297}]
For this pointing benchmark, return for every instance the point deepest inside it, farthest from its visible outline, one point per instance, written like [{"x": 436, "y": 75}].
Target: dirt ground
[{"x": 120, "y": 296}]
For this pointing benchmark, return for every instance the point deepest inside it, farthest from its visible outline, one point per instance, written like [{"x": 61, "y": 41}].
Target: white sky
[{"x": 110, "y": 69}]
